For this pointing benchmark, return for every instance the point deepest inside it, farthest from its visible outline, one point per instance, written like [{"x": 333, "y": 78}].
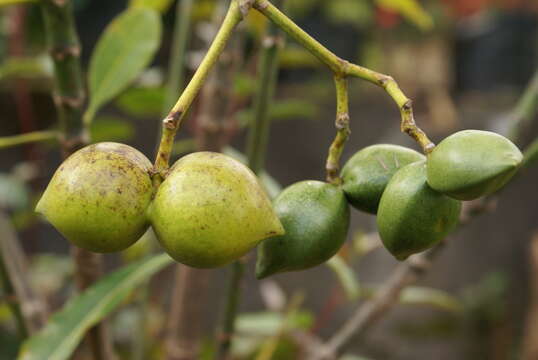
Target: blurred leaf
[
  {"x": 158, "y": 5},
  {"x": 439, "y": 327},
  {"x": 293, "y": 57},
  {"x": 530, "y": 155},
  {"x": 352, "y": 357},
  {"x": 125, "y": 48},
  {"x": 414, "y": 295},
  {"x": 301, "y": 8},
  {"x": 110, "y": 128},
  {"x": 28, "y": 68},
  {"x": 270, "y": 323},
  {"x": 15, "y": 2},
  {"x": 285, "y": 110},
  {"x": 142, "y": 101},
  {"x": 352, "y": 12},
  {"x": 184, "y": 146},
  {"x": 244, "y": 84},
  {"x": 49, "y": 272},
  {"x": 410, "y": 9},
  {"x": 13, "y": 193},
  {"x": 65, "y": 329},
  {"x": 346, "y": 276},
  {"x": 271, "y": 185}
]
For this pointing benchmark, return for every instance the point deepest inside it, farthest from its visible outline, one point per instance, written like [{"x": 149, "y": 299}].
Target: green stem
[
  {"x": 342, "y": 130},
  {"x": 172, "y": 122},
  {"x": 260, "y": 121},
  {"x": 230, "y": 312},
  {"x": 180, "y": 40},
  {"x": 64, "y": 48},
  {"x": 525, "y": 110},
  {"x": 530, "y": 155},
  {"x": 36, "y": 136},
  {"x": 343, "y": 68}
]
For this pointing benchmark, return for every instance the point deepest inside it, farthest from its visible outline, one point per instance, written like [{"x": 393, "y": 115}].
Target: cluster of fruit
[
  {"x": 416, "y": 198},
  {"x": 211, "y": 210}
]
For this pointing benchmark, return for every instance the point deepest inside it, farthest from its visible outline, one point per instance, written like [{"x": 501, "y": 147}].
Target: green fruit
[
  {"x": 368, "y": 172},
  {"x": 211, "y": 210},
  {"x": 412, "y": 217},
  {"x": 99, "y": 196},
  {"x": 472, "y": 163},
  {"x": 315, "y": 216}
]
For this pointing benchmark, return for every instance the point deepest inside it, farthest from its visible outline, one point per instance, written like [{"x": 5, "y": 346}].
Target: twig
[
  {"x": 69, "y": 97},
  {"x": 530, "y": 338},
  {"x": 344, "y": 68},
  {"x": 526, "y": 109},
  {"x": 172, "y": 122},
  {"x": 342, "y": 127},
  {"x": 29, "y": 308},
  {"x": 27, "y": 138}
]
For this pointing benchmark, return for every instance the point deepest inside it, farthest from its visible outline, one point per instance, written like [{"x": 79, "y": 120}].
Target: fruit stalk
[
  {"x": 174, "y": 118},
  {"x": 525, "y": 110},
  {"x": 342, "y": 130},
  {"x": 342, "y": 67},
  {"x": 69, "y": 97}
]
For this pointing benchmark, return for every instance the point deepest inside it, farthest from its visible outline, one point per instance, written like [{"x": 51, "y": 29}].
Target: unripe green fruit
[
  {"x": 412, "y": 217},
  {"x": 472, "y": 163},
  {"x": 368, "y": 172},
  {"x": 99, "y": 196},
  {"x": 315, "y": 216},
  {"x": 211, "y": 210}
]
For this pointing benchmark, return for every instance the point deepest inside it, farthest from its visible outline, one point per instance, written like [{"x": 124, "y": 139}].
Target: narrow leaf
[
  {"x": 159, "y": 5},
  {"x": 125, "y": 48},
  {"x": 345, "y": 275},
  {"x": 65, "y": 329},
  {"x": 411, "y": 10}
]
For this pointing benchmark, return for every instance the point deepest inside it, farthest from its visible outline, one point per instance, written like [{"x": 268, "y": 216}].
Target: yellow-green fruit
[
  {"x": 211, "y": 210},
  {"x": 412, "y": 217},
  {"x": 315, "y": 216},
  {"x": 368, "y": 172},
  {"x": 99, "y": 196},
  {"x": 472, "y": 163}
]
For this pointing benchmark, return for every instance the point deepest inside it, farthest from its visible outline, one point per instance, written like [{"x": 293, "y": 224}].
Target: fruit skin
[
  {"x": 368, "y": 172},
  {"x": 412, "y": 217},
  {"x": 211, "y": 210},
  {"x": 472, "y": 163},
  {"x": 99, "y": 196},
  {"x": 315, "y": 216}
]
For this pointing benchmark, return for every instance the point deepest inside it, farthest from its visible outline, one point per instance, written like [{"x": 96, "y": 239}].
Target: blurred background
[{"x": 465, "y": 64}]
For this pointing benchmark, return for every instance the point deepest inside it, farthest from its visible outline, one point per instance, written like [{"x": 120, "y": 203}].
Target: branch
[
  {"x": 342, "y": 68},
  {"x": 26, "y": 138},
  {"x": 69, "y": 97}
]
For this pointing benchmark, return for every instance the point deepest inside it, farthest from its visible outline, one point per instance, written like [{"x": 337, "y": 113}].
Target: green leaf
[
  {"x": 158, "y": 5},
  {"x": 142, "y": 101},
  {"x": 110, "y": 128},
  {"x": 125, "y": 48},
  {"x": 284, "y": 110},
  {"x": 65, "y": 329},
  {"x": 271, "y": 185},
  {"x": 270, "y": 323},
  {"x": 28, "y": 68},
  {"x": 345, "y": 275},
  {"x": 411, "y": 10},
  {"x": 415, "y": 295}
]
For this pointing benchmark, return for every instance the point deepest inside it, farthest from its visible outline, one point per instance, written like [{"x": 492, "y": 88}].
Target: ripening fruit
[
  {"x": 412, "y": 217},
  {"x": 315, "y": 216},
  {"x": 211, "y": 210},
  {"x": 472, "y": 163},
  {"x": 368, "y": 172},
  {"x": 99, "y": 196}
]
